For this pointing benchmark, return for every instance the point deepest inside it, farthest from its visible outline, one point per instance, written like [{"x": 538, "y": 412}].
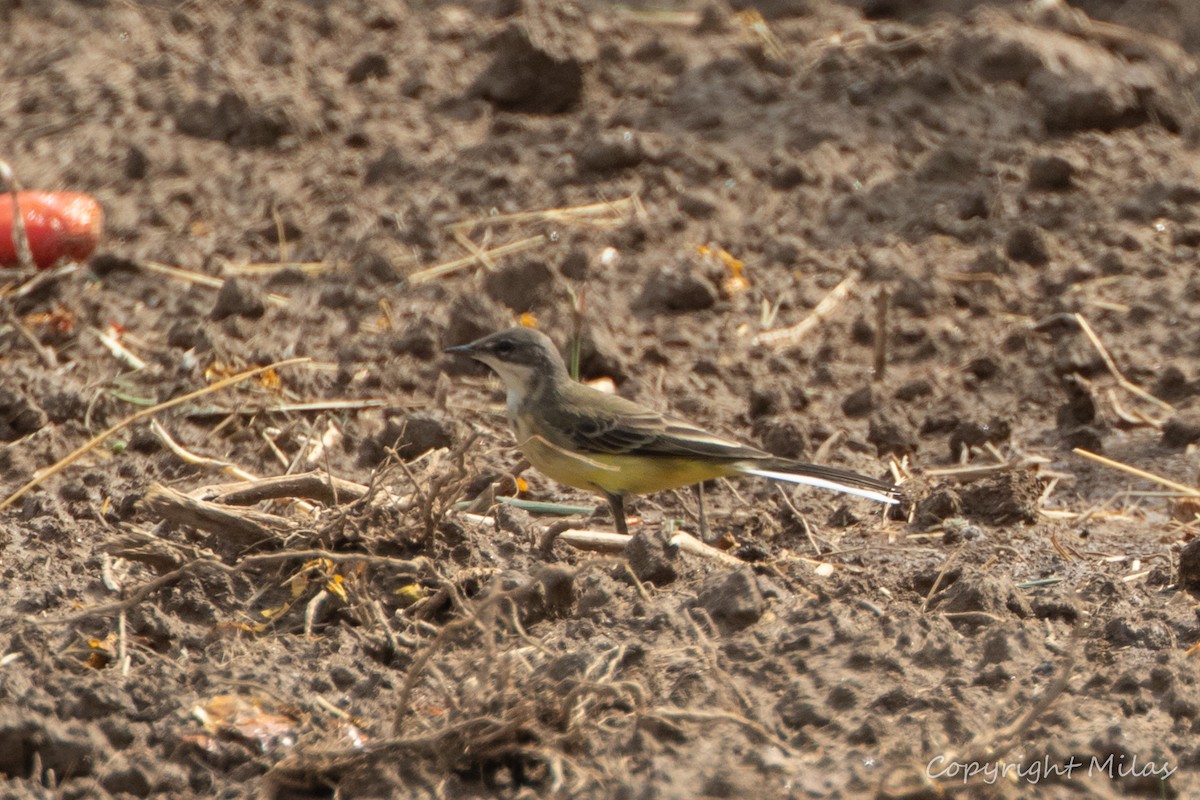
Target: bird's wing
[
  {"x": 603, "y": 424},
  {"x": 590, "y": 423}
]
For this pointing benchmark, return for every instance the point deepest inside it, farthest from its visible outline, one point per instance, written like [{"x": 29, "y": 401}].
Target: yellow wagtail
[{"x": 607, "y": 444}]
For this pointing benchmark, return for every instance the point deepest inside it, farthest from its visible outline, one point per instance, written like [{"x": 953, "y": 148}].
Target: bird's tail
[{"x": 838, "y": 480}]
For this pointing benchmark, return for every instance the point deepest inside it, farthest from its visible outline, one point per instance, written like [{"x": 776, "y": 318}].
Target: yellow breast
[{"x": 617, "y": 474}]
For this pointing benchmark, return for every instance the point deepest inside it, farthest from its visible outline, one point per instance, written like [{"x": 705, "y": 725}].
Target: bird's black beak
[{"x": 461, "y": 349}]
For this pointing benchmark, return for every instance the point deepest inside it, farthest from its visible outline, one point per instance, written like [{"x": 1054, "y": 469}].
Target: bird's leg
[
  {"x": 703, "y": 519},
  {"x": 617, "y": 503}
]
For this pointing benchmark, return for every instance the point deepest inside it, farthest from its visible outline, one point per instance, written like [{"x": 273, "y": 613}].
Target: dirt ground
[{"x": 1021, "y": 184}]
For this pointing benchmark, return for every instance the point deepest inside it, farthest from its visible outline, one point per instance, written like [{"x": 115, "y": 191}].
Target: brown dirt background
[{"x": 996, "y": 167}]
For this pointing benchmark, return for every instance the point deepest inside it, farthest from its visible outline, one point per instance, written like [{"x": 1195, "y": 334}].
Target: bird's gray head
[{"x": 522, "y": 357}]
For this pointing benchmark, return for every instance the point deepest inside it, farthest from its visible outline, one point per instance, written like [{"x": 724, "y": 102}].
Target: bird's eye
[{"x": 503, "y": 348}]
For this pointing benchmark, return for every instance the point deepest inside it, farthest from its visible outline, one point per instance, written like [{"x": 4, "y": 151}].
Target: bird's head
[{"x": 522, "y": 357}]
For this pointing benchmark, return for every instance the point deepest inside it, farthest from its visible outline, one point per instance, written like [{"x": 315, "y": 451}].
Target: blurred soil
[{"x": 1001, "y": 171}]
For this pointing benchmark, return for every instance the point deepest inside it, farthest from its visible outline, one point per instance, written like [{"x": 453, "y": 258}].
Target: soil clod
[
  {"x": 237, "y": 299},
  {"x": 732, "y": 598}
]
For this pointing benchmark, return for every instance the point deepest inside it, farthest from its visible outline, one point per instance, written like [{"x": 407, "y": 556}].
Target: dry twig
[
  {"x": 20, "y": 238},
  {"x": 882, "y": 307},
  {"x": 610, "y": 212},
  {"x": 318, "y": 486},
  {"x": 87, "y": 446},
  {"x": 1189, "y": 491},
  {"x": 1111, "y": 365},
  {"x": 973, "y": 472},
  {"x": 600, "y": 541},
  {"x": 437, "y": 271},
  {"x": 289, "y": 408},
  {"x": 244, "y": 527},
  {"x": 789, "y": 336},
  {"x": 120, "y": 352},
  {"x": 690, "y": 544},
  {"x": 606, "y": 542},
  {"x": 188, "y": 457},
  {"x": 44, "y": 353},
  {"x": 200, "y": 279}
]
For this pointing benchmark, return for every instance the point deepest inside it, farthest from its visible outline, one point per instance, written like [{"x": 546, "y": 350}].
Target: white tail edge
[{"x": 820, "y": 483}]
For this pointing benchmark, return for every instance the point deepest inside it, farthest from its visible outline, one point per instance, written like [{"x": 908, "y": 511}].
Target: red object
[{"x": 57, "y": 224}]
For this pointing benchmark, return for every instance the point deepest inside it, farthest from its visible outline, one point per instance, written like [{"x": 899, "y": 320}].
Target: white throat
[{"x": 518, "y": 380}]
